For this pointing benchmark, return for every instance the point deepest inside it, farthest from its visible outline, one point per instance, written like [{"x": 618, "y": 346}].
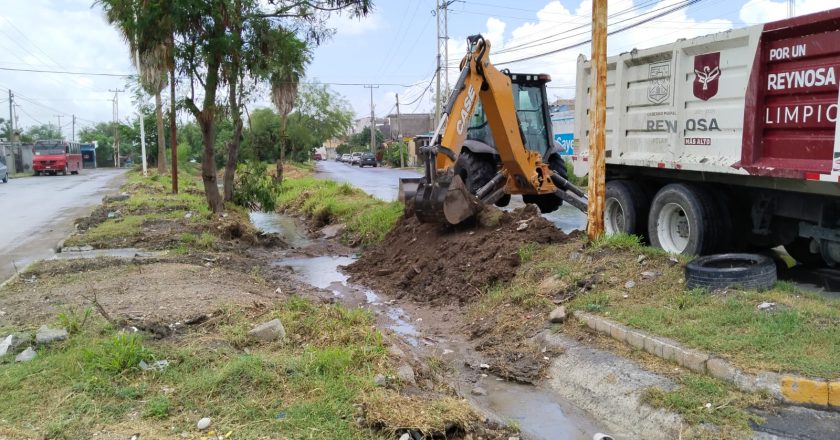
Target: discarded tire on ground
[{"x": 747, "y": 271}]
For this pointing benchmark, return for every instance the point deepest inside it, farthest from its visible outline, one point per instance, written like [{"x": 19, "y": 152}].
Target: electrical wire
[
  {"x": 548, "y": 39},
  {"x": 582, "y": 43}
]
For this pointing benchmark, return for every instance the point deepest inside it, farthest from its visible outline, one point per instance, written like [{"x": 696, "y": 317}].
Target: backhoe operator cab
[{"x": 479, "y": 160}]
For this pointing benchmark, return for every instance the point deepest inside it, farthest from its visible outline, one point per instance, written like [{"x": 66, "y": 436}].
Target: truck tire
[
  {"x": 683, "y": 220},
  {"x": 721, "y": 271},
  {"x": 626, "y": 208},
  {"x": 800, "y": 250},
  {"x": 549, "y": 202}
]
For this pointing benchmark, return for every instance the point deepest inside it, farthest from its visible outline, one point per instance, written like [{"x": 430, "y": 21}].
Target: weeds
[
  {"x": 326, "y": 202},
  {"x": 618, "y": 241},
  {"x": 526, "y": 252},
  {"x": 157, "y": 407},
  {"x": 120, "y": 353},
  {"x": 72, "y": 319},
  {"x": 702, "y": 399}
]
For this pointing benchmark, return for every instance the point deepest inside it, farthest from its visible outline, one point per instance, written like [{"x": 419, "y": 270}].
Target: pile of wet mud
[{"x": 444, "y": 264}]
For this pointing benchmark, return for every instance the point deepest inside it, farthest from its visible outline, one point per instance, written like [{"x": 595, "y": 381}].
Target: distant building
[
  {"x": 362, "y": 123},
  {"x": 18, "y": 157},
  {"x": 408, "y": 125}
]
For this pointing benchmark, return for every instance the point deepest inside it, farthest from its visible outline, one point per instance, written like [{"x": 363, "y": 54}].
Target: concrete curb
[{"x": 786, "y": 388}]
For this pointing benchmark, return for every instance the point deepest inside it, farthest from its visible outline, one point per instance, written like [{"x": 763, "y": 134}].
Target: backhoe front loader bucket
[
  {"x": 446, "y": 200},
  {"x": 407, "y": 191}
]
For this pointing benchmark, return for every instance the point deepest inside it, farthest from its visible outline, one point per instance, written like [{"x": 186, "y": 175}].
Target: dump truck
[{"x": 725, "y": 141}]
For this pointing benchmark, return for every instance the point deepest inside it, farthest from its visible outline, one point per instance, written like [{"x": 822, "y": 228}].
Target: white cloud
[
  {"x": 346, "y": 26},
  {"x": 554, "y": 26},
  {"x": 761, "y": 11},
  {"x": 61, "y": 35}
]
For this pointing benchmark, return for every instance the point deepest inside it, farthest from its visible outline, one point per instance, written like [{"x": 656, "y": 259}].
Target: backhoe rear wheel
[{"x": 549, "y": 202}]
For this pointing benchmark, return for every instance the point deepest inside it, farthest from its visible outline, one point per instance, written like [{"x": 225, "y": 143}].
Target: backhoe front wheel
[{"x": 549, "y": 202}]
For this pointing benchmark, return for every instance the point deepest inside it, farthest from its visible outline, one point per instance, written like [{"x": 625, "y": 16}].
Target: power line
[
  {"x": 639, "y": 23},
  {"x": 584, "y": 25},
  {"x": 64, "y": 72}
]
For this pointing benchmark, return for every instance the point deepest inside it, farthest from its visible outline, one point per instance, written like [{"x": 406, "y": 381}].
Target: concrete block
[
  {"x": 636, "y": 339},
  {"x": 770, "y": 382},
  {"x": 618, "y": 332},
  {"x": 653, "y": 346},
  {"x": 745, "y": 382},
  {"x": 602, "y": 325},
  {"x": 805, "y": 391},
  {"x": 720, "y": 369},
  {"x": 692, "y": 359},
  {"x": 669, "y": 351},
  {"x": 834, "y": 394}
]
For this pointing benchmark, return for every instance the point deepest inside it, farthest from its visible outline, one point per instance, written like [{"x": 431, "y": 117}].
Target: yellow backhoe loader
[{"x": 467, "y": 166}]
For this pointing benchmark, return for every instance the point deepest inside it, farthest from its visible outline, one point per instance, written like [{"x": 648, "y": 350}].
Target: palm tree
[
  {"x": 154, "y": 77},
  {"x": 152, "y": 62},
  {"x": 284, "y": 90}
]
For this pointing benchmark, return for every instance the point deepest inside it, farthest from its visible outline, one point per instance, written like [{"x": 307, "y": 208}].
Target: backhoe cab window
[{"x": 528, "y": 101}]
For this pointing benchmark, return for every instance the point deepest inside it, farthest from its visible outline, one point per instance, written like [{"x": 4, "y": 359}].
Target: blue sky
[{"x": 395, "y": 44}]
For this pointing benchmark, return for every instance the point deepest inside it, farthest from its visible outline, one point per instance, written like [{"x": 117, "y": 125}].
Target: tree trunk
[
  {"x": 161, "y": 136},
  {"x": 232, "y": 158},
  {"x": 282, "y": 157},
  {"x": 208, "y": 166}
]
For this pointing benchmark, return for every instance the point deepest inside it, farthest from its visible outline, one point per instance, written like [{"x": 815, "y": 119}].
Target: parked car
[
  {"x": 4, "y": 172},
  {"x": 355, "y": 158},
  {"x": 318, "y": 156},
  {"x": 345, "y": 157},
  {"x": 367, "y": 159}
]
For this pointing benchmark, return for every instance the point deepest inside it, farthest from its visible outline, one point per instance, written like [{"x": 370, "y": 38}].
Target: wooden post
[{"x": 597, "y": 121}]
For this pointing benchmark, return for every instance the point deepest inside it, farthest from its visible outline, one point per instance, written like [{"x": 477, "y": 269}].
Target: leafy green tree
[
  {"x": 211, "y": 37},
  {"x": 40, "y": 132},
  {"x": 263, "y": 136}
]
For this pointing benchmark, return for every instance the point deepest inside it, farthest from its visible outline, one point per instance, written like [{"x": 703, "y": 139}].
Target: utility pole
[
  {"x": 399, "y": 135},
  {"x": 73, "y": 139},
  {"x": 117, "y": 125},
  {"x": 441, "y": 12},
  {"x": 437, "y": 70},
  {"x": 59, "y": 127},
  {"x": 791, "y": 8},
  {"x": 372, "y": 120},
  {"x": 11, "y": 116},
  {"x": 597, "y": 121}
]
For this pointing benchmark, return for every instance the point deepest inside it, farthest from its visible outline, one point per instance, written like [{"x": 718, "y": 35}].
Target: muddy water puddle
[
  {"x": 288, "y": 228},
  {"x": 540, "y": 414}
]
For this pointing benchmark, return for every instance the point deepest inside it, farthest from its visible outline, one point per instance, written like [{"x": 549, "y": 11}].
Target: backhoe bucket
[
  {"x": 407, "y": 191},
  {"x": 445, "y": 202}
]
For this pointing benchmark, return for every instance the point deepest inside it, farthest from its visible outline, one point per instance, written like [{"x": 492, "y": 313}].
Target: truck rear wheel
[
  {"x": 626, "y": 208},
  {"x": 683, "y": 220},
  {"x": 549, "y": 202}
]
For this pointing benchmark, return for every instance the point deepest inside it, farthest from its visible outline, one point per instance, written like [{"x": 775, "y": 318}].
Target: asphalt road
[
  {"x": 383, "y": 184},
  {"x": 38, "y": 212}
]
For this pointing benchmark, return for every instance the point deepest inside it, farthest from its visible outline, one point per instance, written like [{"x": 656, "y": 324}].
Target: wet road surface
[
  {"x": 37, "y": 212},
  {"x": 383, "y": 183}
]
